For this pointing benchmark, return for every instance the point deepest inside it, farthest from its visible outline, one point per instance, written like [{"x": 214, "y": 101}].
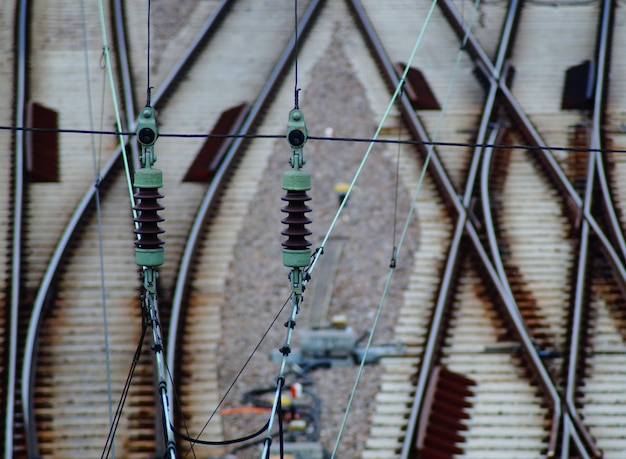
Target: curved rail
[
  {"x": 501, "y": 286},
  {"x": 603, "y": 56},
  {"x": 80, "y": 214},
  {"x": 465, "y": 225},
  {"x": 21, "y": 85},
  {"x": 575, "y": 202},
  {"x": 223, "y": 173},
  {"x": 594, "y": 166}
]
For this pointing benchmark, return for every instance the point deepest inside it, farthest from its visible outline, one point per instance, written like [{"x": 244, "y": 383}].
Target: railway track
[
  {"x": 515, "y": 293},
  {"x": 584, "y": 444},
  {"x": 51, "y": 426}
]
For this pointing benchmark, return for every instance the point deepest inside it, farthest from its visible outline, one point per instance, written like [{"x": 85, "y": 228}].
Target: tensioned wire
[
  {"x": 109, "y": 71},
  {"x": 413, "y": 203},
  {"x": 357, "y": 174},
  {"x": 351, "y": 185},
  {"x": 96, "y": 184},
  {"x": 433, "y": 143},
  {"x": 116, "y": 109},
  {"x": 296, "y": 300},
  {"x": 353, "y": 182}
]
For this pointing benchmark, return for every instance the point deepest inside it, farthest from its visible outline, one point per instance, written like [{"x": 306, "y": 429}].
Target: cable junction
[{"x": 149, "y": 253}]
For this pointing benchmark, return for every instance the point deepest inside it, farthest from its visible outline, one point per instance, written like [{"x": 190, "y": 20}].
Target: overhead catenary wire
[
  {"x": 340, "y": 139},
  {"x": 386, "y": 114},
  {"x": 148, "y": 88},
  {"x": 397, "y": 249},
  {"x": 116, "y": 109},
  {"x": 395, "y": 196},
  {"x": 392, "y": 102},
  {"x": 295, "y": 59},
  {"x": 368, "y": 140},
  {"x": 296, "y": 252},
  {"x": 122, "y": 401}
]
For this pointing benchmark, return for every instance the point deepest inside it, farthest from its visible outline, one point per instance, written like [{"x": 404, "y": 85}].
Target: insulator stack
[
  {"x": 296, "y": 251},
  {"x": 148, "y": 248},
  {"x": 297, "y": 219}
]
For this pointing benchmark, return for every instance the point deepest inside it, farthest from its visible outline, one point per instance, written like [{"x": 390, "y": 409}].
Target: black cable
[
  {"x": 120, "y": 406},
  {"x": 419, "y": 143},
  {"x": 148, "y": 90},
  {"x": 281, "y": 432},
  {"x": 222, "y": 442},
  {"x": 179, "y": 405},
  {"x": 251, "y": 444},
  {"x": 295, "y": 89},
  {"x": 232, "y": 384}
]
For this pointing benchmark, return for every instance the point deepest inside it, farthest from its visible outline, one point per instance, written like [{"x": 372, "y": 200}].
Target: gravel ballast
[{"x": 258, "y": 286}]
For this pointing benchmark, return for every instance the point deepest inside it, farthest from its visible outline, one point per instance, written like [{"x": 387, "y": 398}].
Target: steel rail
[
  {"x": 575, "y": 203},
  {"x": 578, "y": 306},
  {"x": 475, "y": 49},
  {"x": 602, "y": 60},
  {"x": 577, "y": 425},
  {"x": 226, "y": 168},
  {"x": 449, "y": 193},
  {"x": 454, "y": 203},
  {"x": 573, "y": 412},
  {"x": 17, "y": 217},
  {"x": 83, "y": 208},
  {"x": 489, "y": 111},
  {"x": 188, "y": 57},
  {"x": 594, "y": 167}
]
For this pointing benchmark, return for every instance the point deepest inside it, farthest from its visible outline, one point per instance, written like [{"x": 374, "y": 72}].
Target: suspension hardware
[
  {"x": 296, "y": 182},
  {"x": 147, "y": 181}
]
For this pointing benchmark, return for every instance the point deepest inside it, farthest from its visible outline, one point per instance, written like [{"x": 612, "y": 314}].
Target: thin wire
[
  {"x": 118, "y": 121},
  {"x": 391, "y": 269},
  {"x": 120, "y": 406},
  {"x": 455, "y": 72},
  {"x": 327, "y": 139},
  {"x": 296, "y": 299},
  {"x": 397, "y": 188},
  {"x": 377, "y": 133},
  {"x": 232, "y": 384},
  {"x": 105, "y": 50},
  {"x": 285, "y": 350},
  {"x": 179, "y": 405},
  {"x": 97, "y": 176},
  {"x": 295, "y": 89},
  {"x": 148, "y": 58},
  {"x": 404, "y": 232}
]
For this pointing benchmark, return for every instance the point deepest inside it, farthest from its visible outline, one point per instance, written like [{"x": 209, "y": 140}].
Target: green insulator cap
[
  {"x": 296, "y": 258},
  {"x": 148, "y": 177},
  {"x": 149, "y": 257},
  {"x": 296, "y": 180}
]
